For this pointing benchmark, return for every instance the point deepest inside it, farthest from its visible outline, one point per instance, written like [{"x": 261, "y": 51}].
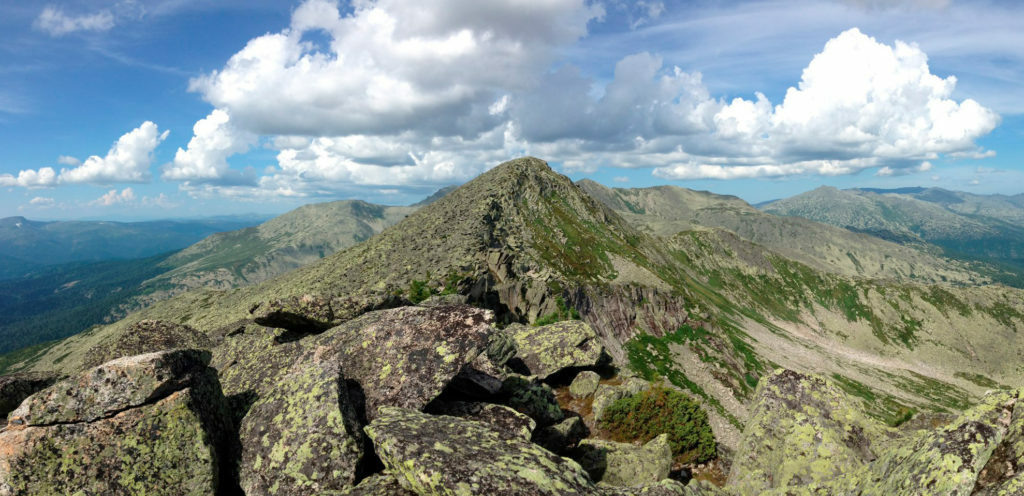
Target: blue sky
[{"x": 137, "y": 109}]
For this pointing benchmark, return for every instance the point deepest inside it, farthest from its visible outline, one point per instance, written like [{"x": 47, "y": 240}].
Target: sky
[{"x": 142, "y": 109}]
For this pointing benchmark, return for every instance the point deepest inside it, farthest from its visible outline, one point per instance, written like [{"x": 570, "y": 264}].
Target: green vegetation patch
[
  {"x": 651, "y": 357},
  {"x": 563, "y": 312},
  {"x": 979, "y": 380},
  {"x": 876, "y": 404},
  {"x": 660, "y": 410}
]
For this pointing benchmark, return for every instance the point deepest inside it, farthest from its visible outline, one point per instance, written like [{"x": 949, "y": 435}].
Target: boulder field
[{"x": 335, "y": 397}]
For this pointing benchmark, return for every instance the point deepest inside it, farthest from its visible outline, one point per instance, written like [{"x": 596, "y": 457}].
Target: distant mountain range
[
  {"x": 26, "y": 245},
  {"x": 979, "y": 227},
  {"x": 55, "y": 301}
]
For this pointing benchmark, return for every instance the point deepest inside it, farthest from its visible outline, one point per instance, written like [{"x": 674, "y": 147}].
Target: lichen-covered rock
[
  {"x": 114, "y": 386},
  {"x": 547, "y": 350},
  {"x": 1003, "y": 473},
  {"x": 305, "y": 314},
  {"x": 662, "y": 488},
  {"x": 625, "y": 465},
  {"x": 406, "y": 356},
  {"x": 443, "y": 300},
  {"x": 399, "y": 357},
  {"x": 15, "y": 388},
  {"x": 802, "y": 430},
  {"x": 303, "y": 437},
  {"x": 504, "y": 420},
  {"x": 530, "y": 396},
  {"x": 500, "y": 348},
  {"x": 382, "y": 484},
  {"x": 557, "y": 438},
  {"x": 346, "y": 308},
  {"x": 441, "y": 455},
  {"x": 146, "y": 336},
  {"x": 479, "y": 379},
  {"x": 585, "y": 384},
  {"x": 169, "y": 436},
  {"x": 947, "y": 460}
]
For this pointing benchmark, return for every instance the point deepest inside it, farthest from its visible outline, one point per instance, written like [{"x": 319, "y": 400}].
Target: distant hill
[
  {"x": 964, "y": 225},
  {"x": 56, "y": 301},
  {"x": 667, "y": 210},
  {"x": 27, "y": 244}
]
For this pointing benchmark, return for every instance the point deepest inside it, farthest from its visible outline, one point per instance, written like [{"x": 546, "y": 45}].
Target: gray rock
[
  {"x": 155, "y": 424},
  {"x": 585, "y": 384},
  {"x": 15, "y": 388},
  {"x": 560, "y": 437},
  {"x": 146, "y": 336},
  {"x": 303, "y": 437},
  {"x": 382, "y": 484},
  {"x": 625, "y": 465},
  {"x": 446, "y": 455},
  {"x": 504, "y": 420},
  {"x": 306, "y": 314},
  {"x": 549, "y": 349}
]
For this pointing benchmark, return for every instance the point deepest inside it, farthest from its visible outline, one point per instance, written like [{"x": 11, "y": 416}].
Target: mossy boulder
[
  {"x": 623, "y": 464},
  {"x": 547, "y": 350},
  {"x": 441, "y": 455},
  {"x": 802, "y": 431},
  {"x": 530, "y": 396},
  {"x": 662, "y": 488},
  {"x": 407, "y": 356},
  {"x": 504, "y": 420},
  {"x": 585, "y": 384},
  {"x": 115, "y": 386},
  {"x": 950, "y": 459},
  {"x": 399, "y": 357},
  {"x": 15, "y": 388},
  {"x": 161, "y": 435},
  {"x": 302, "y": 437},
  {"x": 146, "y": 336}
]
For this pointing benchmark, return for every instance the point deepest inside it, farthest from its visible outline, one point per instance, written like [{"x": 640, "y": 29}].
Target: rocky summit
[{"x": 520, "y": 336}]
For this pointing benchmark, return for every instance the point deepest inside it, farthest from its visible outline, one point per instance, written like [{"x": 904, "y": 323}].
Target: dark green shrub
[
  {"x": 418, "y": 291},
  {"x": 659, "y": 410},
  {"x": 563, "y": 312}
]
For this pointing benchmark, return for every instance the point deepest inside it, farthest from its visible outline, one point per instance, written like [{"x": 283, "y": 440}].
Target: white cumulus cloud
[
  {"x": 128, "y": 160},
  {"x": 205, "y": 159},
  {"x": 112, "y": 197},
  {"x": 53, "y": 21},
  {"x": 392, "y": 65},
  {"x": 42, "y": 201}
]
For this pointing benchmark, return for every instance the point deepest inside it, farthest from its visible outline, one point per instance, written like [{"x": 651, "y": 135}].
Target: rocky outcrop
[
  {"x": 802, "y": 431},
  {"x": 547, "y": 350},
  {"x": 302, "y": 437},
  {"x": 15, "y": 388},
  {"x": 409, "y": 355},
  {"x": 146, "y": 336},
  {"x": 502, "y": 419},
  {"x": 625, "y": 465},
  {"x": 440, "y": 455},
  {"x": 153, "y": 423}
]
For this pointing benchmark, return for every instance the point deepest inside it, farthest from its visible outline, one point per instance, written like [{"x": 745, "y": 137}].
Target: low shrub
[{"x": 658, "y": 410}]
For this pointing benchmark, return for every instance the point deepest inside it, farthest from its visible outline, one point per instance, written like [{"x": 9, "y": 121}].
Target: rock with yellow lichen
[
  {"x": 624, "y": 464},
  {"x": 549, "y": 349},
  {"x": 153, "y": 424},
  {"x": 802, "y": 430},
  {"x": 441, "y": 455},
  {"x": 304, "y": 436}
]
